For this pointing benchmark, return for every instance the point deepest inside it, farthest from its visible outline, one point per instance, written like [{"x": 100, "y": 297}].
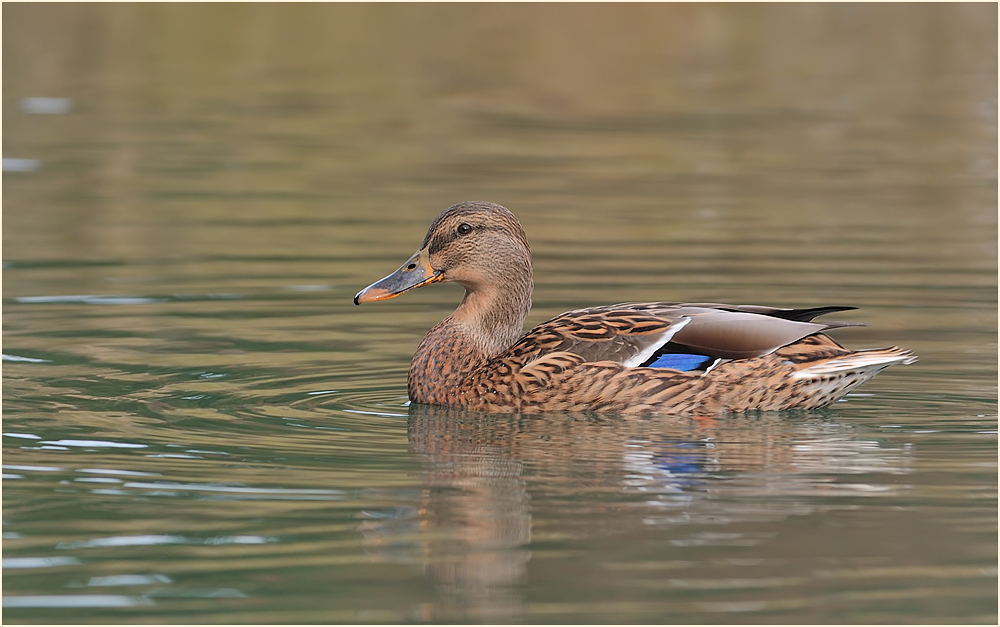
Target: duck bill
[{"x": 416, "y": 272}]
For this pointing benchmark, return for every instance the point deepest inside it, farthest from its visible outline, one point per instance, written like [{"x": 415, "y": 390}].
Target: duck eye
[{"x": 464, "y": 229}]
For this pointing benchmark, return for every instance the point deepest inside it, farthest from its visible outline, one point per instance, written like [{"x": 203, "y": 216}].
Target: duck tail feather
[{"x": 861, "y": 361}]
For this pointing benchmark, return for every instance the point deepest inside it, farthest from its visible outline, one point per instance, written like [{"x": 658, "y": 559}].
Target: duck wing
[{"x": 630, "y": 334}]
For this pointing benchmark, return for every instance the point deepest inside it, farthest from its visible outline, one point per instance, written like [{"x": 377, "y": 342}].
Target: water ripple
[{"x": 74, "y": 601}]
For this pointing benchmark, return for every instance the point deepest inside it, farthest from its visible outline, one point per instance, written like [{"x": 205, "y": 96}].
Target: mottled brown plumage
[{"x": 598, "y": 359}]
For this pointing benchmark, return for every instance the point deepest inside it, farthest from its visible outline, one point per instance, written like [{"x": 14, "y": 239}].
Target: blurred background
[
  {"x": 200, "y": 426},
  {"x": 657, "y": 115}
]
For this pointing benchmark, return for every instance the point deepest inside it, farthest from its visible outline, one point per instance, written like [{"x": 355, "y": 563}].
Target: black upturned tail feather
[{"x": 806, "y": 315}]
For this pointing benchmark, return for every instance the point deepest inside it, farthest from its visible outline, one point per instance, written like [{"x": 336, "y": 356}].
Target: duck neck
[
  {"x": 493, "y": 318},
  {"x": 486, "y": 323}
]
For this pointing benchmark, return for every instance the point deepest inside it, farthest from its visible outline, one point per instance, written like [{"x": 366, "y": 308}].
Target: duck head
[
  {"x": 477, "y": 244},
  {"x": 481, "y": 246}
]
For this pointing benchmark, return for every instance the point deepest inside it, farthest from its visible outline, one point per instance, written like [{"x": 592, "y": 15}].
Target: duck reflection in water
[{"x": 475, "y": 532}]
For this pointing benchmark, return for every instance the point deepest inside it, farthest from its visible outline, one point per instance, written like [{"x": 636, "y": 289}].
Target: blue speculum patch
[{"x": 680, "y": 361}]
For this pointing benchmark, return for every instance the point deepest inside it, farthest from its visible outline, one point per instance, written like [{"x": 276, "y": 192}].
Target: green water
[{"x": 199, "y": 425}]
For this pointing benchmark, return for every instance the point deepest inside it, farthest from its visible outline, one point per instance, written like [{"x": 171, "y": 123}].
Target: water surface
[{"x": 199, "y": 426}]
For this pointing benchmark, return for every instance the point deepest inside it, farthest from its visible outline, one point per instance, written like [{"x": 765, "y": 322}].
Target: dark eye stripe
[{"x": 436, "y": 241}]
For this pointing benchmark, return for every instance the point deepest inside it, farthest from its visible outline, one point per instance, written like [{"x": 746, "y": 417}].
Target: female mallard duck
[{"x": 633, "y": 357}]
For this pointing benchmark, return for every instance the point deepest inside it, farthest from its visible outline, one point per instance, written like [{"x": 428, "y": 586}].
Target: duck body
[{"x": 684, "y": 358}]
